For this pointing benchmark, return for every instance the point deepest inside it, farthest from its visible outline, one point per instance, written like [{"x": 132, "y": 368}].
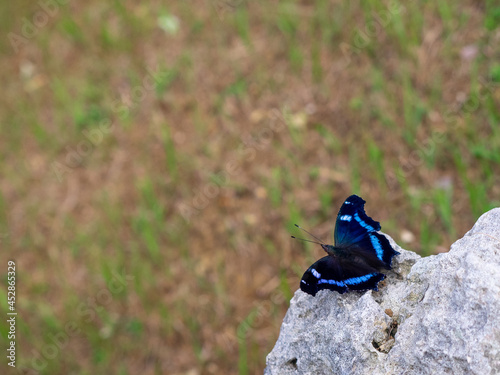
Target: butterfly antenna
[
  {"x": 301, "y": 239},
  {"x": 312, "y": 235}
]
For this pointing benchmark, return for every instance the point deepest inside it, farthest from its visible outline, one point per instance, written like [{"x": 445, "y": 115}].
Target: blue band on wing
[
  {"x": 377, "y": 246},
  {"x": 359, "y": 279},
  {"x": 351, "y": 281},
  {"x": 332, "y": 282},
  {"x": 362, "y": 223}
]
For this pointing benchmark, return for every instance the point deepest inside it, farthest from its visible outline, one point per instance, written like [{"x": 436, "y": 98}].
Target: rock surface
[{"x": 433, "y": 315}]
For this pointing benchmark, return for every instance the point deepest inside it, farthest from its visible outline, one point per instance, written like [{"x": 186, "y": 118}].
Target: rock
[{"x": 433, "y": 315}]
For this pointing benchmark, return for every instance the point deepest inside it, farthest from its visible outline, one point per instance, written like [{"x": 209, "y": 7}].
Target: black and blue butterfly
[{"x": 355, "y": 260}]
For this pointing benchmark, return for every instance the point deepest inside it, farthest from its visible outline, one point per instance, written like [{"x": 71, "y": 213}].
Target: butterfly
[{"x": 353, "y": 263}]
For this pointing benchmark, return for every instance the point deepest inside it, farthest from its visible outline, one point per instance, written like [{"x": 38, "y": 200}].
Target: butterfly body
[
  {"x": 354, "y": 255},
  {"x": 354, "y": 262}
]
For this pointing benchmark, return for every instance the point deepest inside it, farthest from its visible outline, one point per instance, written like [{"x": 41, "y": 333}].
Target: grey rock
[{"x": 433, "y": 315}]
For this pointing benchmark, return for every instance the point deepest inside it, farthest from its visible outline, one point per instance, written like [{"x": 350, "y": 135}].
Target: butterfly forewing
[{"x": 352, "y": 222}]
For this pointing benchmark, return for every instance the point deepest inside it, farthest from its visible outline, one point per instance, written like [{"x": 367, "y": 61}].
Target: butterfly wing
[
  {"x": 337, "y": 274},
  {"x": 354, "y": 228},
  {"x": 352, "y": 221},
  {"x": 375, "y": 244}
]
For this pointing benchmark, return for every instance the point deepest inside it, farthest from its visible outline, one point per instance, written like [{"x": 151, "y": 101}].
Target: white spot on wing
[
  {"x": 346, "y": 218},
  {"x": 315, "y": 273}
]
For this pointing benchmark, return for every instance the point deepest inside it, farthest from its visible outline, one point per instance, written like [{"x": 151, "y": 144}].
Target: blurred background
[{"x": 155, "y": 155}]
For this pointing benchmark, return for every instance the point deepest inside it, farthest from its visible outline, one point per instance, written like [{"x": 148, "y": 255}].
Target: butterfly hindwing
[
  {"x": 376, "y": 244},
  {"x": 337, "y": 274},
  {"x": 324, "y": 269}
]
